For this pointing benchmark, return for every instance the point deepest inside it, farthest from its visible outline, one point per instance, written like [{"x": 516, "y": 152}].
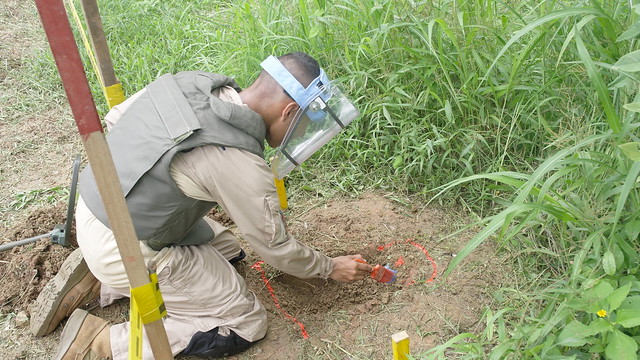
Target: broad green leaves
[
  {"x": 616, "y": 298},
  {"x": 631, "y": 150},
  {"x": 573, "y": 334},
  {"x": 609, "y": 263},
  {"x": 621, "y": 347},
  {"x": 629, "y": 62},
  {"x": 628, "y": 317},
  {"x": 605, "y": 312}
]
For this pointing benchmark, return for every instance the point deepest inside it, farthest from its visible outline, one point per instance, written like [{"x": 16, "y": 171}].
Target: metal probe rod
[{"x": 11, "y": 245}]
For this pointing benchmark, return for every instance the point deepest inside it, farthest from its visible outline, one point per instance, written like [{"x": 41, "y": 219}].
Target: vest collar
[{"x": 239, "y": 116}]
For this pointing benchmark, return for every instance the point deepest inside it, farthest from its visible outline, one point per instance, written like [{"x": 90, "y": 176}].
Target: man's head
[
  {"x": 301, "y": 109},
  {"x": 302, "y": 66},
  {"x": 272, "y": 102}
]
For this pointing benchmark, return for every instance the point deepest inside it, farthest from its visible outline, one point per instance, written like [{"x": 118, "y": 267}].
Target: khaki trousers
[{"x": 200, "y": 288}]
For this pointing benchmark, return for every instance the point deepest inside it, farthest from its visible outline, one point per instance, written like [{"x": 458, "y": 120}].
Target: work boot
[
  {"x": 73, "y": 286},
  {"x": 84, "y": 337}
]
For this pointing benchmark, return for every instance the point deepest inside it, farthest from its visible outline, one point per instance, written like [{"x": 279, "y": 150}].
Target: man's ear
[{"x": 289, "y": 110}]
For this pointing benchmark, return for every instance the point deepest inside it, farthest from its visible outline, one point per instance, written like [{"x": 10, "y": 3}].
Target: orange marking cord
[
  {"x": 257, "y": 266},
  {"x": 419, "y": 247}
]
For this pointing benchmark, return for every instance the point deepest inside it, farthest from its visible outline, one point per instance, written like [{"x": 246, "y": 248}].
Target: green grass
[
  {"x": 24, "y": 199},
  {"x": 525, "y": 112}
]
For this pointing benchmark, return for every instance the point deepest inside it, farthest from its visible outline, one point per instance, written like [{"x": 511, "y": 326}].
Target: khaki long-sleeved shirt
[{"x": 242, "y": 184}]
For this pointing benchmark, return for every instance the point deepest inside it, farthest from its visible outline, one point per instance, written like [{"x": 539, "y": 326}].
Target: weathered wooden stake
[
  {"x": 65, "y": 52},
  {"x": 400, "y": 345}
]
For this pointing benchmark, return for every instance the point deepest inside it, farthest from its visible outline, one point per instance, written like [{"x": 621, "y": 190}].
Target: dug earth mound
[{"x": 309, "y": 318}]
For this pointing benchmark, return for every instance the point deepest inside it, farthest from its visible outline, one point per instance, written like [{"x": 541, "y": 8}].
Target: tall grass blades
[
  {"x": 437, "y": 103},
  {"x": 586, "y": 198}
]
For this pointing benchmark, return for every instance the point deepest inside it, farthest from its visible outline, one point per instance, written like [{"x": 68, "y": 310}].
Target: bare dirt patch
[
  {"x": 355, "y": 321},
  {"x": 352, "y": 321}
]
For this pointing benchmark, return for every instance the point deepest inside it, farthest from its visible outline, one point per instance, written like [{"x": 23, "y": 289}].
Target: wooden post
[
  {"x": 400, "y": 345},
  {"x": 99, "y": 42},
  {"x": 65, "y": 52},
  {"x": 110, "y": 85}
]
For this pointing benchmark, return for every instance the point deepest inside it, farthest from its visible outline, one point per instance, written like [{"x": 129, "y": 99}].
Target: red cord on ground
[{"x": 257, "y": 266}]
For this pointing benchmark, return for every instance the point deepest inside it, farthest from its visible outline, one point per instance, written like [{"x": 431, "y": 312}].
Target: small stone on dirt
[{"x": 21, "y": 319}]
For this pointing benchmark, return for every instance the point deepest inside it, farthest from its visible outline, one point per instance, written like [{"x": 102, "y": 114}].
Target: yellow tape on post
[
  {"x": 146, "y": 306},
  {"x": 282, "y": 193},
  {"x": 114, "y": 94},
  {"x": 146, "y": 299},
  {"x": 400, "y": 345}
]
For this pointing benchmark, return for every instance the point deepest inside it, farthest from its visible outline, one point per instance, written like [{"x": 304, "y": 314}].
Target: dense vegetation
[{"x": 524, "y": 112}]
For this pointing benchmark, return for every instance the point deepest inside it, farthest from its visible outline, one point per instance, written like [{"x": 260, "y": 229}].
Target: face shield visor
[{"x": 324, "y": 112}]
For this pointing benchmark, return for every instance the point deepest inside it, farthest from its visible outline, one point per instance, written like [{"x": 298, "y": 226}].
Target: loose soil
[{"x": 344, "y": 321}]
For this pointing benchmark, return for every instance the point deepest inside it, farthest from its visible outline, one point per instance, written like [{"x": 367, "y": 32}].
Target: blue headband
[{"x": 302, "y": 96}]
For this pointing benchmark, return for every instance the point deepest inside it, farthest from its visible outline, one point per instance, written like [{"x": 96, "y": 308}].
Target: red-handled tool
[{"x": 383, "y": 274}]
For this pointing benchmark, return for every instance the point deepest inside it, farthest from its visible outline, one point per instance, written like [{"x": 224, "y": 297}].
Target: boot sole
[
  {"x": 70, "y": 332},
  {"x": 71, "y": 272}
]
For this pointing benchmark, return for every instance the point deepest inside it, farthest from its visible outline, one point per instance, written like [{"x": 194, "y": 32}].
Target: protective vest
[{"x": 176, "y": 114}]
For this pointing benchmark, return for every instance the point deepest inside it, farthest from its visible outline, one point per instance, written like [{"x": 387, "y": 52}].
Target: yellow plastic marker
[
  {"x": 146, "y": 306},
  {"x": 135, "y": 334},
  {"x": 282, "y": 193},
  {"x": 114, "y": 94},
  {"x": 400, "y": 345}
]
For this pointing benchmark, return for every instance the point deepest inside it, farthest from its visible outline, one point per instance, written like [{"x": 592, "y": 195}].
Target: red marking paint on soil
[
  {"x": 426, "y": 253},
  {"x": 399, "y": 262},
  {"x": 257, "y": 266},
  {"x": 419, "y": 247}
]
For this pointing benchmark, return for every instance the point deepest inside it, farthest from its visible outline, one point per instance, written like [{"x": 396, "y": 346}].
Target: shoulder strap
[{"x": 173, "y": 108}]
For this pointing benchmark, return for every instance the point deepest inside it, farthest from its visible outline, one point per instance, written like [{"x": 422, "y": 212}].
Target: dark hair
[{"x": 302, "y": 66}]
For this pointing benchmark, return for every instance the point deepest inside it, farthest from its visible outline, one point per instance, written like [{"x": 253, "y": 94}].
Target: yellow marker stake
[
  {"x": 400, "y": 345},
  {"x": 113, "y": 93},
  {"x": 135, "y": 335},
  {"x": 146, "y": 306},
  {"x": 282, "y": 193}
]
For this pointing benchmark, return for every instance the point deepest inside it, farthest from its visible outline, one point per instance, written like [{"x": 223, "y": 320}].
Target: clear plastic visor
[{"x": 325, "y": 115}]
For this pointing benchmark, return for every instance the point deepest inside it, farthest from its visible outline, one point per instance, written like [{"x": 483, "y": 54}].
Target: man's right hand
[{"x": 347, "y": 269}]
